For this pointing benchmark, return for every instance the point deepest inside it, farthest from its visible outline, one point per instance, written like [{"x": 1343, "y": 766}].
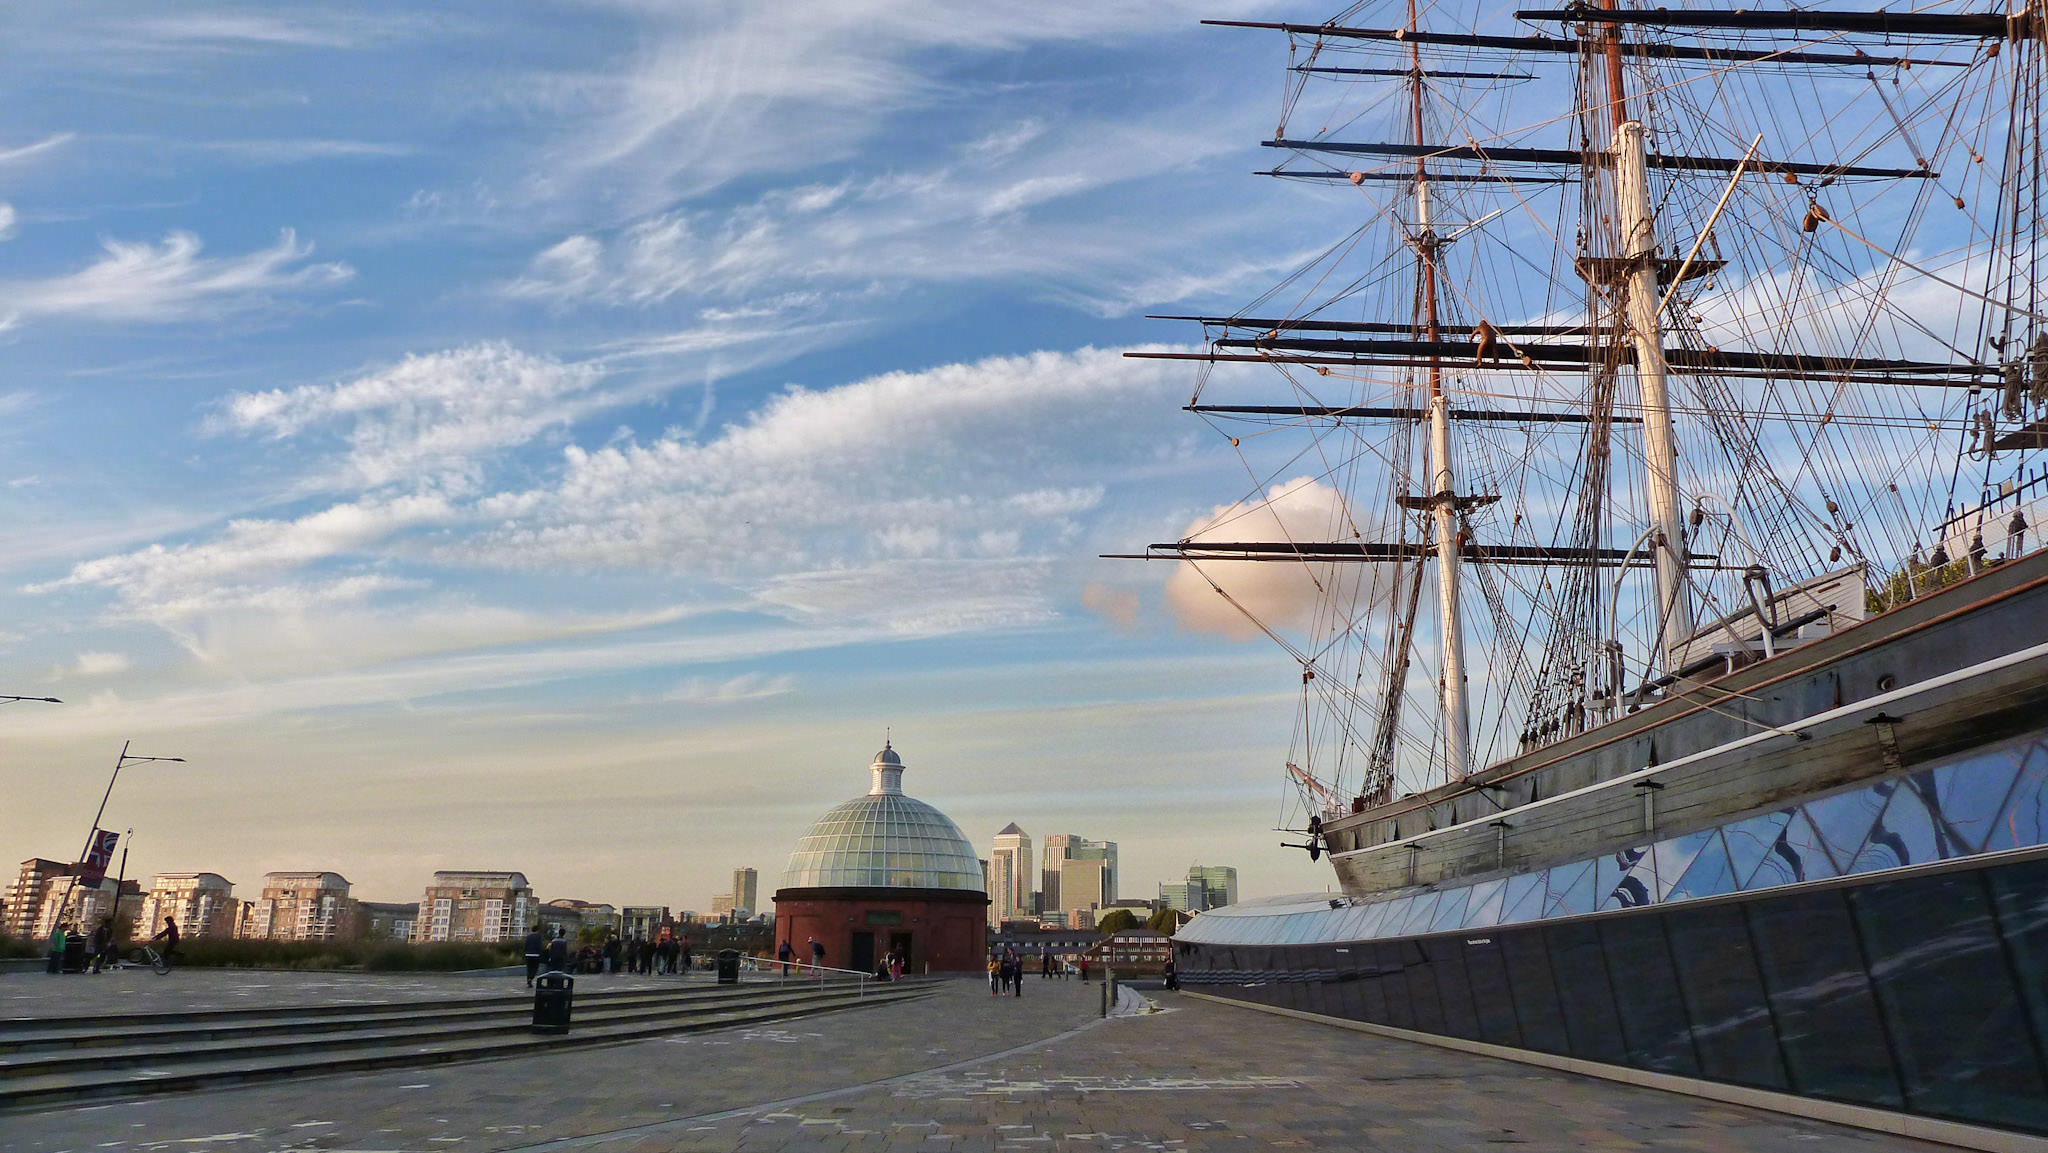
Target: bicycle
[{"x": 144, "y": 955}]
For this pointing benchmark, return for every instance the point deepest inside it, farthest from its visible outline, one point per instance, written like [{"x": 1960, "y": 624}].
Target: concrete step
[
  {"x": 52, "y": 1088},
  {"x": 190, "y": 1045},
  {"x": 21, "y": 1036}
]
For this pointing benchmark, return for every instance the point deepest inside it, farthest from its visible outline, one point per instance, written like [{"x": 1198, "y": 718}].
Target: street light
[{"x": 92, "y": 835}]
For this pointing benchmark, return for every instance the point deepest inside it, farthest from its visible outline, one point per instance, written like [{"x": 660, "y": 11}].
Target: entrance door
[
  {"x": 863, "y": 957},
  {"x": 899, "y": 944}
]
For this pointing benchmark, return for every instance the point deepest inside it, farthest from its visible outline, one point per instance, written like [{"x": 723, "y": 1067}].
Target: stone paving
[{"x": 957, "y": 1071}]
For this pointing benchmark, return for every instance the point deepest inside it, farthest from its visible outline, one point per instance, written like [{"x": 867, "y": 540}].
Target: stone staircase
[{"x": 52, "y": 1061}]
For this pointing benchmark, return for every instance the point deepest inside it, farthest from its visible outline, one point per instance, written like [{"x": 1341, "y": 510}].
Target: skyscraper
[
  {"x": 1207, "y": 887},
  {"x": 1009, "y": 875},
  {"x": 746, "y": 888},
  {"x": 1079, "y": 873}
]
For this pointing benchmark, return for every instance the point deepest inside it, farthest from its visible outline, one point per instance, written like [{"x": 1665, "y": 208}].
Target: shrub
[{"x": 374, "y": 956}]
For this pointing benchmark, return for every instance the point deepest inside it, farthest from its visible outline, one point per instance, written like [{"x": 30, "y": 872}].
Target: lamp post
[{"x": 126, "y": 758}]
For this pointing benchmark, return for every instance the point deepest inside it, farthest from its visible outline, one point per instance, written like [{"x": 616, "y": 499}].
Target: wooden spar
[
  {"x": 1363, "y": 551},
  {"x": 1354, "y": 362},
  {"x": 1575, "y": 157},
  {"x": 1508, "y": 357},
  {"x": 1568, "y": 45},
  {"x": 1404, "y": 177},
  {"x": 1369, "y": 413},
  {"x": 1316, "y": 324},
  {"x": 1977, "y": 25},
  {"x": 1431, "y": 73}
]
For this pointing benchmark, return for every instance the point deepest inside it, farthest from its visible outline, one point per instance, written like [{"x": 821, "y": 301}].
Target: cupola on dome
[{"x": 884, "y": 840}]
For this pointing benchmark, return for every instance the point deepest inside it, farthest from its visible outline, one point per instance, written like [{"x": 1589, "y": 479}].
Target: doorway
[
  {"x": 899, "y": 944},
  {"x": 863, "y": 958}
]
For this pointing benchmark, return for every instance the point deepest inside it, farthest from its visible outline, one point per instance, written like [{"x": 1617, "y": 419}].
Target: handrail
[{"x": 804, "y": 968}]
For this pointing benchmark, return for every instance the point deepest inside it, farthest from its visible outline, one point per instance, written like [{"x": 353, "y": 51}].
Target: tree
[
  {"x": 1164, "y": 921},
  {"x": 1116, "y": 921}
]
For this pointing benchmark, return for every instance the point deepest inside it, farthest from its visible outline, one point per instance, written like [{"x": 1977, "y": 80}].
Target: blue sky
[{"x": 563, "y": 438}]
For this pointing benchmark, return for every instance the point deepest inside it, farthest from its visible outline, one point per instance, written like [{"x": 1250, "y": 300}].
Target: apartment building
[{"x": 485, "y": 905}]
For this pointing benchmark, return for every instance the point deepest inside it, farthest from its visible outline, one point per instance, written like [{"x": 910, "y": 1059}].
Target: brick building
[
  {"x": 303, "y": 906},
  {"x": 885, "y": 873}
]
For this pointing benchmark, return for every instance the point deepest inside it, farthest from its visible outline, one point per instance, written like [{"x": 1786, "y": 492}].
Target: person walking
[
  {"x": 57, "y": 948},
  {"x": 558, "y": 952},
  {"x": 995, "y": 975},
  {"x": 1016, "y": 973},
  {"x": 782, "y": 953},
  {"x": 612, "y": 948},
  {"x": 1172, "y": 975},
  {"x": 684, "y": 958},
  {"x": 536, "y": 945},
  {"x": 817, "y": 955},
  {"x": 101, "y": 945}
]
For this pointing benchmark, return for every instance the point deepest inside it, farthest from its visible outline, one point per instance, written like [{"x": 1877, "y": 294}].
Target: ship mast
[
  {"x": 1639, "y": 283},
  {"x": 1443, "y": 489}
]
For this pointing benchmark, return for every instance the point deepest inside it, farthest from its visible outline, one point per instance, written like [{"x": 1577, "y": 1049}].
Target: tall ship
[{"x": 1655, "y": 480}]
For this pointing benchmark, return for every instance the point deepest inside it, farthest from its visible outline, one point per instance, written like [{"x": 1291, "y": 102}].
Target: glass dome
[{"x": 884, "y": 840}]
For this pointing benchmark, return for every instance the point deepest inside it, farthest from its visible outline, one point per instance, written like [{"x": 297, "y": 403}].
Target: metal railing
[{"x": 796, "y": 970}]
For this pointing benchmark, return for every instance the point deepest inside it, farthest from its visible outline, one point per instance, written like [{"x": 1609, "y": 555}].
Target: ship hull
[{"x": 1832, "y": 884}]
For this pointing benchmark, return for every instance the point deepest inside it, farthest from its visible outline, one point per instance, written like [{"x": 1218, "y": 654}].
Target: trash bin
[
  {"x": 74, "y": 954},
  {"x": 552, "y": 995},
  {"x": 728, "y": 966}
]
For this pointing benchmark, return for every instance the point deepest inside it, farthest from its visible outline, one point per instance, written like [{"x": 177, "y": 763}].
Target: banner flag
[{"x": 93, "y": 869}]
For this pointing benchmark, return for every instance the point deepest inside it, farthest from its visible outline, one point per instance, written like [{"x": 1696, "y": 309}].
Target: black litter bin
[
  {"x": 552, "y": 995},
  {"x": 74, "y": 954},
  {"x": 728, "y": 966}
]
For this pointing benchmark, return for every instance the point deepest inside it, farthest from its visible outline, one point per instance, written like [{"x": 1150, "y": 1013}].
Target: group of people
[
  {"x": 636, "y": 954},
  {"x": 1006, "y": 973},
  {"x": 785, "y": 955},
  {"x": 100, "y": 946}
]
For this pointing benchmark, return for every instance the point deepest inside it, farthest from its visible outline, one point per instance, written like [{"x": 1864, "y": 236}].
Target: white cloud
[
  {"x": 433, "y": 415},
  {"x": 745, "y": 687},
  {"x": 99, "y": 664},
  {"x": 1279, "y": 594},
  {"x": 241, "y": 568},
  {"x": 957, "y": 220},
  {"x": 58, "y": 140},
  {"x": 935, "y": 465},
  {"x": 171, "y": 281},
  {"x": 7, "y": 220},
  {"x": 294, "y": 151}
]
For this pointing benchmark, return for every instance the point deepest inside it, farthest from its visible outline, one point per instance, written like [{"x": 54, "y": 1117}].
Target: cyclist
[{"x": 169, "y": 936}]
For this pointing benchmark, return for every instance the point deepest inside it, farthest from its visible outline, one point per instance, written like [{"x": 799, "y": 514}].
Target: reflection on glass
[
  {"x": 1843, "y": 821},
  {"x": 1485, "y": 905},
  {"x": 1709, "y": 874},
  {"x": 1749, "y": 842},
  {"x": 1904, "y": 834},
  {"x": 1970, "y": 792},
  {"x": 1571, "y": 890},
  {"x": 2025, "y": 817}
]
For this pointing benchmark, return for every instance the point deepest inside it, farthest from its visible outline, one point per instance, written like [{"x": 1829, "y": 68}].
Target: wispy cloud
[
  {"x": 167, "y": 282},
  {"x": 295, "y": 151},
  {"x": 91, "y": 664},
  {"x": 744, "y": 687},
  {"x": 430, "y": 416},
  {"x": 47, "y": 143}
]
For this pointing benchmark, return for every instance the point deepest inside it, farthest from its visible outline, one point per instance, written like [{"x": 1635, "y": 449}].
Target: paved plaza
[{"x": 957, "y": 1071}]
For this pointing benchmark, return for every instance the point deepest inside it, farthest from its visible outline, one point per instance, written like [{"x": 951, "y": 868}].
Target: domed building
[{"x": 881, "y": 874}]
